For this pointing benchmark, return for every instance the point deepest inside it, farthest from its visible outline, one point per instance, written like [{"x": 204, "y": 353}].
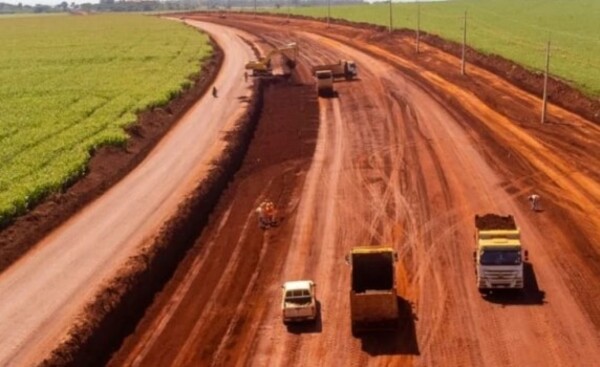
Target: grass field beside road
[
  {"x": 515, "y": 29},
  {"x": 69, "y": 84}
]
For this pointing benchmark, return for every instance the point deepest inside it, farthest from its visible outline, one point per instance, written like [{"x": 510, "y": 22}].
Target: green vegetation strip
[
  {"x": 515, "y": 29},
  {"x": 69, "y": 84}
]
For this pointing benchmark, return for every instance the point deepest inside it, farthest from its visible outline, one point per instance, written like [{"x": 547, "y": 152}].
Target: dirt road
[
  {"x": 404, "y": 156},
  {"x": 43, "y": 291}
]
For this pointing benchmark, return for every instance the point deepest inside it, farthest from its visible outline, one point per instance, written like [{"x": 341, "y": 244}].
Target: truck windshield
[
  {"x": 299, "y": 297},
  {"x": 500, "y": 257}
]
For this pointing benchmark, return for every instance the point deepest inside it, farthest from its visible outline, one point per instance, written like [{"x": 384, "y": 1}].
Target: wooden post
[
  {"x": 545, "y": 93},
  {"x": 418, "y": 25},
  {"x": 390, "y": 28},
  {"x": 464, "y": 46}
]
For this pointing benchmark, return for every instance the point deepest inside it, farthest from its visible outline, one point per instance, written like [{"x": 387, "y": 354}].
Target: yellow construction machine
[{"x": 263, "y": 65}]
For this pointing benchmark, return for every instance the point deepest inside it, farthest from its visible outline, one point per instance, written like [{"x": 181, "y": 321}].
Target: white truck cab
[{"x": 298, "y": 301}]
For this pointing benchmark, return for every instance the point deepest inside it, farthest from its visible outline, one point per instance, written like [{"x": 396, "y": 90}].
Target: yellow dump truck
[
  {"x": 373, "y": 296},
  {"x": 499, "y": 255}
]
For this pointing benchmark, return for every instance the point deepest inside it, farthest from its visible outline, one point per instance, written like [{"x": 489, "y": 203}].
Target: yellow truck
[
  {"x": 373, "y": 295},
  {"x": 499, "y": 255}
]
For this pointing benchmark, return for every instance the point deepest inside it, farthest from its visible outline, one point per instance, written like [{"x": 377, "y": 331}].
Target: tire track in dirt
[
  {"x": 423, "y": 176},
  {"x": 220, "y": 310}
]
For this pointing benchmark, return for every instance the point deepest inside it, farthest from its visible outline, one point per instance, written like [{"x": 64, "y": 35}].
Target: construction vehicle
[
  {"x": 299, "y": 301},
  {"x": 499, "y": 254},
  {"x": 267, "y": 214},
  {"x": 263, "y": 65},
  {"x": 324, "y": 83},
  {"x": 343, "y": 69},
  {"x": 373, "y": 295}
]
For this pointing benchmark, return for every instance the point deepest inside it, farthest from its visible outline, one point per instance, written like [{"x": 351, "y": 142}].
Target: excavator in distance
[{"x": 262, "y": 67}]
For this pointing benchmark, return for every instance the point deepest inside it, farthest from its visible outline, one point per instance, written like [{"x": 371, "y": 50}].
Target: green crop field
[
  {"x": 515, "y": 29},
  {"x": 69, "y": 84}
]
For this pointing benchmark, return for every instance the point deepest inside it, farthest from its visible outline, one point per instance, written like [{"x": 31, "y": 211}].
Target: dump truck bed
[
  {"x": 373, "y": 298},
  {"x": 495, "y": 222},
  {"x": 373, "y": 307},
  {"x": 335, "y": 68}
]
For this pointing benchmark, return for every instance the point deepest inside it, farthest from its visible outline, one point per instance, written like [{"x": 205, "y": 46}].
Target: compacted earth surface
[{"x": 405, "y": 156}]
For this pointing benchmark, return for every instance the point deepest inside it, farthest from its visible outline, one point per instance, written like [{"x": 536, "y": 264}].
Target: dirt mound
[
  {"x": 495, "y": 221},
  {"x": 107, "y": 166},
  {"x": 559, "y": 91}
]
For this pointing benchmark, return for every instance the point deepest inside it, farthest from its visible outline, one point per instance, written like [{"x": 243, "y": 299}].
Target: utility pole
[
  {"x": 390, "y": 29},
  {"x": 418, "y": 24},
  {"x": 464, "y": 46},
  {"x": 545, "y": 93},
  {"x": 328, "y": 11}
]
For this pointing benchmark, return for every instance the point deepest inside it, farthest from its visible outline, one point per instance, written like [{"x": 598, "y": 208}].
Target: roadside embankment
[{"x": 117, "y": 308}]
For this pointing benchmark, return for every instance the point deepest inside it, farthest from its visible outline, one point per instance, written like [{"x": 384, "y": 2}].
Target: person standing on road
[
  {"x": 214, "y": 91},
  {"x": 534, "y": 200}
]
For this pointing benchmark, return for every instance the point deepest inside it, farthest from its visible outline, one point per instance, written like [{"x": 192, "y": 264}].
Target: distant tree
[
  {"x": 64, "y": 6},
  {"x": 39, "y": 8}
]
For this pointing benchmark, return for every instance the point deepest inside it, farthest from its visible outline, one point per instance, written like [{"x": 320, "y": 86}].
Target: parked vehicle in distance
[{"x": 299, "y": 301}]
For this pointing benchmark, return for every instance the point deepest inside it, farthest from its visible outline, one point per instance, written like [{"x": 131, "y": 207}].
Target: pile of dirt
[
  {"x": 495, "y": 221},
  {"x": 107, "y": 167},
  {"x": 560, "y": 92}
]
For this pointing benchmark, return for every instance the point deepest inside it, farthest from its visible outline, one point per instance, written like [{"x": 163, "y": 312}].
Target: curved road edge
[{"x": 66, "y": 277}]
